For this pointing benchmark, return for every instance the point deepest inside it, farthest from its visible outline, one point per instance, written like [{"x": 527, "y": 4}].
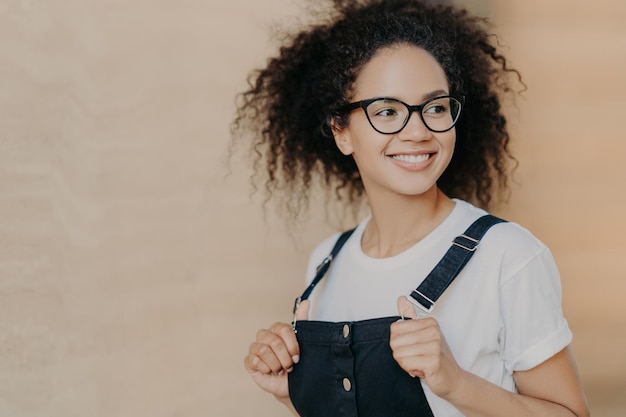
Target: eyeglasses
[{"x": 390, "y": 115}]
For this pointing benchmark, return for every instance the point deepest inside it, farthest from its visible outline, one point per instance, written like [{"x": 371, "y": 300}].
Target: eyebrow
[
  {"x": 435, "y": 93},
  {"x": 427, "y": 96}
]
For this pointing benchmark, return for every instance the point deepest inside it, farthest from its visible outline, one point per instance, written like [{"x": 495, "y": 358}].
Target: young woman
[{"x": 398, "y": 102}]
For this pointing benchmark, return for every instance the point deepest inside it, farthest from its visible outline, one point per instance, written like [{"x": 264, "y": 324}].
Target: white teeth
[{"x": 411, "y": 159}]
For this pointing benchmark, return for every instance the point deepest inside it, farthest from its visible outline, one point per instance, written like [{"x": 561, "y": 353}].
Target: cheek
[
  {"x": 448, "y": 144},
  {"x": 365, "y": 141},
  {"x": 449, "y": 141}
]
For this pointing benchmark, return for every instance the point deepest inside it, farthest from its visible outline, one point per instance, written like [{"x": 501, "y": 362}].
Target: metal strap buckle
[
  {"x": 296, "y": 304},
  {"x": 470, "y": 244},
  {"x": 325, "y": 262},
  {"x": 426, "y": 310}
]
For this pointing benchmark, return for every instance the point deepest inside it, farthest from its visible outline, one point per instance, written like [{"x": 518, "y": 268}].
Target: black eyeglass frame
[{"x": 363, "y": 104}]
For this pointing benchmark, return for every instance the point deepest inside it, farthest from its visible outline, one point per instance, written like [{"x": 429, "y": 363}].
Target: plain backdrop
[{"x": 134, "y": 270}]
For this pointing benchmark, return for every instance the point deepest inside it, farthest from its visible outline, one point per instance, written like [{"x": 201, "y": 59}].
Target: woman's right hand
[{"x": 273, "y": 354}]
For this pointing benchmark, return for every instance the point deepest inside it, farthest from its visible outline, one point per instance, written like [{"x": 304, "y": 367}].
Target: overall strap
[
  {"x": 323, "y": 267},
  {"x": 459, "y": 254}
]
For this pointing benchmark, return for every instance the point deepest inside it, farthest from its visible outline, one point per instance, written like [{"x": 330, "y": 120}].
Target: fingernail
[
  {"x": 295, "y": 358},
  {"x": 290, "y": 369},
  {"x": 281, "y": 372}
]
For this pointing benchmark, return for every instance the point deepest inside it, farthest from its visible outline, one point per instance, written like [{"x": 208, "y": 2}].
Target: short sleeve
[{"x": 533, "y": 326}]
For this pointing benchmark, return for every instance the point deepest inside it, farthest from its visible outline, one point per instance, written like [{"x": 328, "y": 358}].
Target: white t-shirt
[{"x": 501, "y": 314}]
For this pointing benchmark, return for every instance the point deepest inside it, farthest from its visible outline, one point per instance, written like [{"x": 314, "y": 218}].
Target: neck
[{"x": 399, "y": 222}]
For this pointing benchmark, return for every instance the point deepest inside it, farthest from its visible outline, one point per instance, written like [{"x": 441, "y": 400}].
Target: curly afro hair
[{"x": 290, "y": 103}]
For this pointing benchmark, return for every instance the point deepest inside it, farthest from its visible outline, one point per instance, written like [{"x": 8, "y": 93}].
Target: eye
[
  {"x": 389, "y": 111},
  {"x": 437, "y": 108},
  {"x": 385, "y": 109}
]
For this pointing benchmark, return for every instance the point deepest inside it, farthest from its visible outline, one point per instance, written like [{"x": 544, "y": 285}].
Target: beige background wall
[{"x": 133, "y": 274}]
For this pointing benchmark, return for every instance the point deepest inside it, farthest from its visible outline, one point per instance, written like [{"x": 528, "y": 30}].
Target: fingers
[
  {"x": 280, "y": 342},
  {"x": 416, "y": 333},
  {"x": 420, "y": 348},
  {"x": 274, "y": 351},
  {"x": 272, "y": 381},
  {"x": 417, "y": 348},
  {"x": 419, "y": 352},
  {"x": 406, "y": 309},
  {"x": 253, "y": 363},
  {"x": 414, "y": 343}
]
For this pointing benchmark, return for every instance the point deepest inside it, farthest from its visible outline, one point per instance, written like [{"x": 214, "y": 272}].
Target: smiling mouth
[{"x": 412, "y": 159}]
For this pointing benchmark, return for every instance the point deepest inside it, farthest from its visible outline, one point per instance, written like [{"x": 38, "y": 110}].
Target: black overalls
[{"x": 346, "y": 369}]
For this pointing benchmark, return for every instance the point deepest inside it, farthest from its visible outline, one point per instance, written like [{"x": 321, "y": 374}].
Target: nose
[{"x": 415, "y": 129}]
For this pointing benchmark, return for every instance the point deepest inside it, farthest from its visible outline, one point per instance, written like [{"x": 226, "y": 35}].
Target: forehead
[{"x": 401, "y": 71}]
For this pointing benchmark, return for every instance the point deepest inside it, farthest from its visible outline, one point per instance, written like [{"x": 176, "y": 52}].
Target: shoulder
[
  {"x": 324, "y": 247},
  {"x": 508, "y": 235},
  {"x": 321, "y": 251},
  {"x": 513, "y": 238},
  {"x": 513, "y": 245}
]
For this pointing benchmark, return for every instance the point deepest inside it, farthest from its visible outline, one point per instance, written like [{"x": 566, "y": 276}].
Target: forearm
[
  {"x": 476, "y": 397},
  {"x": 287, "y": 402}
]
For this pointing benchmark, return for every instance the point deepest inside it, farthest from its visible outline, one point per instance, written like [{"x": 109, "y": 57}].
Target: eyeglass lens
[{"x": 390, "y": 116}]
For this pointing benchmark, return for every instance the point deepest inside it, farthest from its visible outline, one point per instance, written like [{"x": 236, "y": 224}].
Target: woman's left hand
[{"x": 420, "y": 349}]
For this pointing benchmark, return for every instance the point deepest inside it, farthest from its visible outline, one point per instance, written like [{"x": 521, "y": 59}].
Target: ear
[{"x": 342, "y": 137}]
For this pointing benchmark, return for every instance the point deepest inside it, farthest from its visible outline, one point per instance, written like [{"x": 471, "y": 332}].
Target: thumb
[
  {"x": 302, "y": 312},
  {"x": 406, "y": 309}
]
